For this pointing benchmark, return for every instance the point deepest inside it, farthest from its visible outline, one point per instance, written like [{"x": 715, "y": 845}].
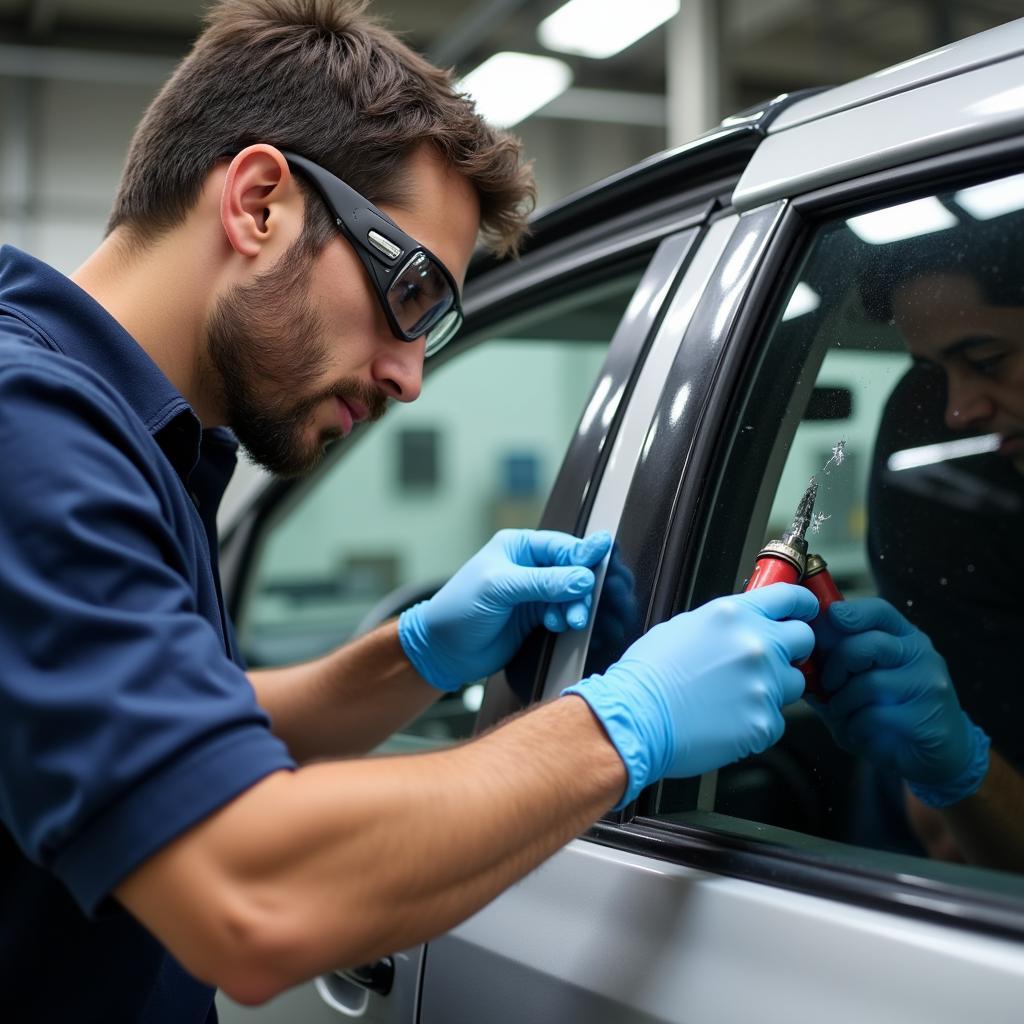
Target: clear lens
[
  {"x": 443, "y": 332},
  {"x": 420, "y": 296}
]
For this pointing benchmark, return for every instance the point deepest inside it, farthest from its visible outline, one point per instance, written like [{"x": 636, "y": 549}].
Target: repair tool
[
  {"x": 785, "y": 560},
  {"x": 818, "y": 580}
]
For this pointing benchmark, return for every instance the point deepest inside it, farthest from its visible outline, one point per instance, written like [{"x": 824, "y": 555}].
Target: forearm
[
  {"x": 346, "y": 702},
  {"x": 340, "y": 863},
  {"x": 989, "y": 826}
]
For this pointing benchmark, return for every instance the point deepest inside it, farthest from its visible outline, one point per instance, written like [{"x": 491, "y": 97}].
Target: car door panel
[
  {"x": 610, "y": 937},
  {"x": 689, "y": 924}
]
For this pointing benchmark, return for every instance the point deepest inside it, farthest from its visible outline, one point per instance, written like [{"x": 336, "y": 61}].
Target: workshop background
[{"x": 76, "y": 75}]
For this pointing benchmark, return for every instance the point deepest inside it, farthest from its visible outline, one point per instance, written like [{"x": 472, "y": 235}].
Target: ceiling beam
[
  {"x": 457, "y": 42},
  {"x": 613, "y": 106}
]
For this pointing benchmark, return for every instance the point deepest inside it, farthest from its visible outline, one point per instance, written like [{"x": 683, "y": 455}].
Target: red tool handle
[
  {"x": 772, "y": 568},
  {"x": 820, "y": 583},
  {"x": 824, "y": 588}
]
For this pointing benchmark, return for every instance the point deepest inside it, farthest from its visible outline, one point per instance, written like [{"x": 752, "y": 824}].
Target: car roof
[
  {"x": 977, "y": 51},
  {"x": 963, "y": 95}
]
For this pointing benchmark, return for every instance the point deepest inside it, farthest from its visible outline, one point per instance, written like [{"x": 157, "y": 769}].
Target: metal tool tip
[{"x": 802, "y": 519}]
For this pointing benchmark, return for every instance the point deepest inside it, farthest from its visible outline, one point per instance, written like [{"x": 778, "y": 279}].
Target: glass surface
[
  {"x": 374, "y": 533},
  {"x": 894, "y": 375},
  {"x": 418, "y": 295}
]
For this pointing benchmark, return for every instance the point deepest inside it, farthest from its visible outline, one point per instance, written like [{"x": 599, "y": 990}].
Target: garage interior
[{"x": 75, "y": 75}]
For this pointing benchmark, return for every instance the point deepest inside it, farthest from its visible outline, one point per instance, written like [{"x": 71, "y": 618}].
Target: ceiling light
[
  {"x": 908, "y": 220},
  {"x": 509, "y": 87},
  {"x": 601, "y": 28},
  {"x": 804, "y": 300},
  {"x": 994, "y": 198}
]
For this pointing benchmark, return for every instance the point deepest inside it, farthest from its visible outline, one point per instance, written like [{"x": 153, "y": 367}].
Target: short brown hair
[{"x": 323, "y": 78}]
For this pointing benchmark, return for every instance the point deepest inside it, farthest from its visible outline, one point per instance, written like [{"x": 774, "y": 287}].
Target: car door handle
[
  {"x": 378, "y": 977},
  {"x": 347, "y": 990}
]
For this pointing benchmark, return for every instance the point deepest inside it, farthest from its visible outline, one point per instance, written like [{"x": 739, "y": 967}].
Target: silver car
[{"x": 679, "y": 349}]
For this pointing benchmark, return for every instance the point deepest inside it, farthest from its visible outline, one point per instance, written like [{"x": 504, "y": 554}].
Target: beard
[{"x": 265, "y": 341}]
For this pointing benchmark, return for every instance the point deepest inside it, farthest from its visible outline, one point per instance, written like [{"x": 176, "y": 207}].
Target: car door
[{"x": 799, "y": 885}]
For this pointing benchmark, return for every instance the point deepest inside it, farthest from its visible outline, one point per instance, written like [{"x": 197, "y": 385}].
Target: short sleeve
[{"x": 122, "y": 720}]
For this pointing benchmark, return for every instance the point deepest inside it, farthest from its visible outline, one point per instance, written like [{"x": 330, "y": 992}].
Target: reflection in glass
[
  {"x": 918, "y": 324},
  {"x": 910, "y": 220}
]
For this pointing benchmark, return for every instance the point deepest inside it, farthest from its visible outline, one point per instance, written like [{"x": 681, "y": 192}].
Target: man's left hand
[
  {"x": 521, "y": 578},
  {"x": 892, "y": 701}
]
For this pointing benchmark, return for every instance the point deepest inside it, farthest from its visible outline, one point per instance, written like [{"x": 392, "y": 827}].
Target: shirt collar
[{"x": 69, "y": 320}]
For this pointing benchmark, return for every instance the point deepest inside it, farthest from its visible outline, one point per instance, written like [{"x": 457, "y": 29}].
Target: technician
[{"x": 169, "y": 823}]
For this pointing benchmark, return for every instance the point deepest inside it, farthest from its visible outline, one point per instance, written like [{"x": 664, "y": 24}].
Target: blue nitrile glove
[
  {"x": 705, "y": 688},
  {"x": 894, "y": 704},
  {"x": 474, "y": 624}
]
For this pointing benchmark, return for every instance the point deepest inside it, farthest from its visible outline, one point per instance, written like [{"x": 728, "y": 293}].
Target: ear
[{"x": 259, "y": 199}]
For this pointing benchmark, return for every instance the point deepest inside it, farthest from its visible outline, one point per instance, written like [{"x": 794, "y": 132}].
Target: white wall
[
  {"x": 69, "y": 138},
  {"x": 62, "y": 145}
]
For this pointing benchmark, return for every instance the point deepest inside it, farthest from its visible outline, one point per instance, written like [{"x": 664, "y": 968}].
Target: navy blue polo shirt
[{"x": 125, "y": 714}]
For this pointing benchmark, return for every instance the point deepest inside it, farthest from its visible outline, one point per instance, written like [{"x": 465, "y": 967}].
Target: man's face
[
  {"x": 304, "y": 351},
  {"x": 980, "y": 348}
]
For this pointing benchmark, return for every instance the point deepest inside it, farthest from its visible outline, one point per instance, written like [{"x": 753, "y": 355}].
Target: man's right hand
[{"x": 705, "y": 688}]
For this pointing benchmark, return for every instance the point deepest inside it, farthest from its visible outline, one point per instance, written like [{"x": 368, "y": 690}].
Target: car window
[
  {"x": 420, "y": 491},
  {"x": 893, "y": 373}
]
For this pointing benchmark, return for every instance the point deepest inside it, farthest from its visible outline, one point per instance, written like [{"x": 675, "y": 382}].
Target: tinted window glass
[{"x": 893, "y": 374}]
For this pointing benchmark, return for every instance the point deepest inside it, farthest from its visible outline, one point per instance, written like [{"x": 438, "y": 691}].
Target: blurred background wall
[{"x": 75, "y": 75}]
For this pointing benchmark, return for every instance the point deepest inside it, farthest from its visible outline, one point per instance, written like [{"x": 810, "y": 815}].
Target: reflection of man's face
[{"x": 980, "y": 347}]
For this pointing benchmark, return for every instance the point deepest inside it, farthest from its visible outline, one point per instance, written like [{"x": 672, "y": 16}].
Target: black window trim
[
  {"x": 968, "y": 908},
  {"x": 576, "y": 483},
  {"x": 502, "y": 292},
  {"x": 918, "y": 897}
]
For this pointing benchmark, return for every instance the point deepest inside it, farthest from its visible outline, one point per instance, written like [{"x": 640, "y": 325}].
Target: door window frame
[{"x": 668, "y": 512}]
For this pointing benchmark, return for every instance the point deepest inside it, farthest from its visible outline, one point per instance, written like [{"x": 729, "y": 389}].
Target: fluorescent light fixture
[
  {"x": 908, "y": 220},
  {"x": 994, "y": 198},
  {"x": 929, "y": 454},
  {"x": 509, "y": 87},
  {"x": 602, "y": 28},
  {"x": 804, "y": 300}
]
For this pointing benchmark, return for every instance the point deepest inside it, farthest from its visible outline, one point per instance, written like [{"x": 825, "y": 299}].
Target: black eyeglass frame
[{"x": 388, "y": 256}]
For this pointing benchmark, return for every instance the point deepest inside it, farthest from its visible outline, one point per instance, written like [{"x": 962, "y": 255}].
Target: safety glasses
[{"x": 415, "y": 289}]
